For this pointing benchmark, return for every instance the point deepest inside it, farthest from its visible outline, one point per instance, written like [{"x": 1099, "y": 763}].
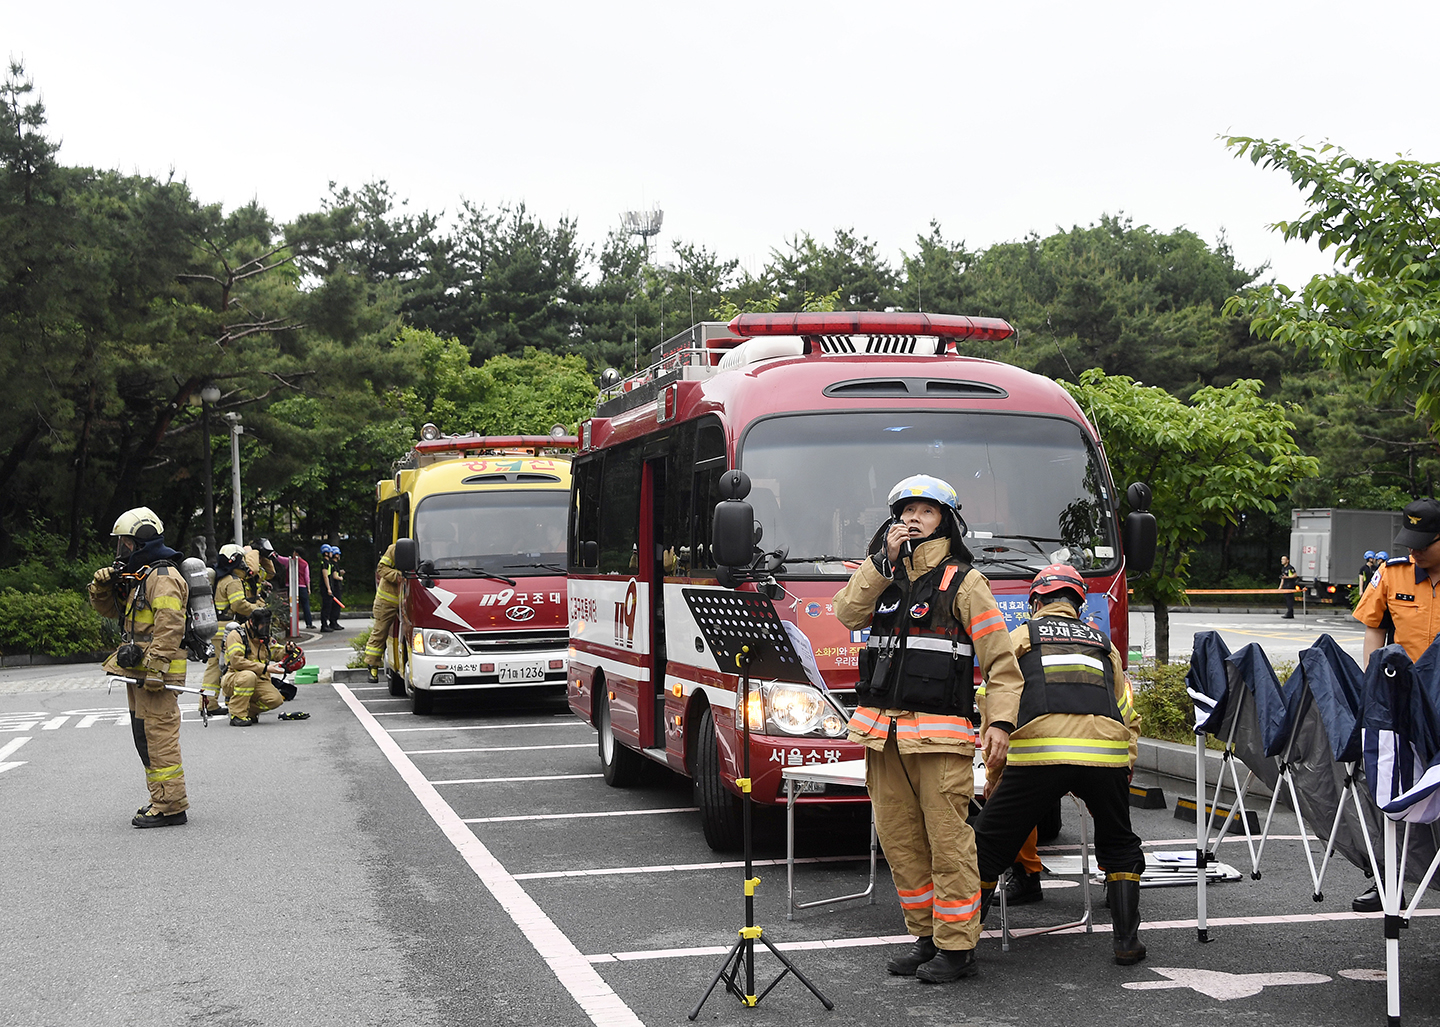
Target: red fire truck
[
  {"x": 825, "y": 413},
  {"x": 478, "y": 524}
]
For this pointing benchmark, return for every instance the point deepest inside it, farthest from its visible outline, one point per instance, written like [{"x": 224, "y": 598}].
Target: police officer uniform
[
  {"x": 932, "y": 620},
  {"x": 1401, "y": 599},
  {"x": 147, "y": 594},
  {"x": 1077, "y": 731},
  {"x": 387, "y": 609}
]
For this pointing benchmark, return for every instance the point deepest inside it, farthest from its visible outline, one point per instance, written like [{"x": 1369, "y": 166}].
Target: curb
[
  {"x": 41, "y": 660},
  {"x": 1173, "y": 767}
]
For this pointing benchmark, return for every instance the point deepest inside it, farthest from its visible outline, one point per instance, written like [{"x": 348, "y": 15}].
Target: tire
[
  {"x": 721, "y": 813},
  {"x": 422, "y": 700},
  {"x": 396, "y": 683},
  {"x": 621, "y": 766}
]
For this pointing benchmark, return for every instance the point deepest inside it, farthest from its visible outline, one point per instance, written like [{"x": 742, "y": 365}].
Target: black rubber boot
[
  {"x": 948, "y": 965},
  {"x": 148, "y": 816},
  {"x": 921, "y": 952},
  {"x": 1125, "y": 918},
  {"x": 1022, "y": 887}
]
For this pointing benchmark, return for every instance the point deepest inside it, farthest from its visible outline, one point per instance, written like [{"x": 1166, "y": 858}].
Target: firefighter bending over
[
  {"x": 251, "y": 662},
  {"x": 1076, "y": 731},
  {"x": 145, "y": 591},
  {"x": 234, "y": 601},
  {"x": 387, "y": 608},
  {"x": 931, "y": 616}
]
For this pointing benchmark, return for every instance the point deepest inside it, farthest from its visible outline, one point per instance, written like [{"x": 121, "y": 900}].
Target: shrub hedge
[{"x": 51, "y": 623}]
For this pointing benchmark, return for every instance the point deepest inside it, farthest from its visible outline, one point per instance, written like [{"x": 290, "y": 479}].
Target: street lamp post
[
  {"x": 208, "y": 396},
  {"x": 236, "y": 430}
]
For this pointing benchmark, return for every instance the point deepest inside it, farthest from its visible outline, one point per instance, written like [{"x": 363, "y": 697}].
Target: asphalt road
[{"x": 372, "y": 867}]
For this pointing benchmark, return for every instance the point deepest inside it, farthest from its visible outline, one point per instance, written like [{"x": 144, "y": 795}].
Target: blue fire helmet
[
  {"x": 1382, "y": 555},
  {"x": 1369, "y": 554},
  {"x": 923, "y": 486}
]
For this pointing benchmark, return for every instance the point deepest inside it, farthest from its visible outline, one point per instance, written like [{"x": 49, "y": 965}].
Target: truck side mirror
[
  {"x": 589, "y": 554},
  {"x": 732, "y": 532},
  {"x": 406, "y": 555},
  {"x": 1140, "y": 531}
]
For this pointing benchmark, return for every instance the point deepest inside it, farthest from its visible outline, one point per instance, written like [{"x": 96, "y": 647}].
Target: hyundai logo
[{"x": 520, "y": 613}]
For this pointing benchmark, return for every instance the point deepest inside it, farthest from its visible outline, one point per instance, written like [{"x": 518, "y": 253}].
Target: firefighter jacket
[
  {"x": 150, "y": 606},
  {"x": 243, "y": 653},
  {"x": 231, "y": 602},
  {"x": 972, "y": 610},
  {"x": 388, "y": 578},
  {"x": 261, "y": 571},
  {"x": 1066, "y": 675}
]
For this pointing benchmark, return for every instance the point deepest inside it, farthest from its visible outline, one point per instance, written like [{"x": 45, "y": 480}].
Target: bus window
[
  {"x": 584, "y": 510},
  {"x": 710, "y": 463},
  {"x": 620, "y": 514}
]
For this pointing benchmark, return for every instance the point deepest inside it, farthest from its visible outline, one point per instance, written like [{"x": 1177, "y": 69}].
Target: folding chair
[{"x": 1086, "y": 921}]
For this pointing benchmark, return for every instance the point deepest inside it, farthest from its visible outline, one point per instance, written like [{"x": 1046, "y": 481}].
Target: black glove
[{"x": 284, "y": 687}]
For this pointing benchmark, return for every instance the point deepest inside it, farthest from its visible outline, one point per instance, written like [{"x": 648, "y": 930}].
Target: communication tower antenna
[{"x": 644, "y": 223}]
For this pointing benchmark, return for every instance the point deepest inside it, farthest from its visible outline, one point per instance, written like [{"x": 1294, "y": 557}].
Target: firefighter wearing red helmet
[
  {"x": 1077, "y": 731},
  {"x": 932, "y": 620}
]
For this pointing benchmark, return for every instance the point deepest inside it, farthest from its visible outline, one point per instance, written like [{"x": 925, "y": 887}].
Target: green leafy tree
[
  {"x": 1375, "y": 321},
  {"x": 1206, "y": 461}
]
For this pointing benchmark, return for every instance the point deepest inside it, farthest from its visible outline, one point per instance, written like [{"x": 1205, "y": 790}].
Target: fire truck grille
[{"x": 534, "y": 641}]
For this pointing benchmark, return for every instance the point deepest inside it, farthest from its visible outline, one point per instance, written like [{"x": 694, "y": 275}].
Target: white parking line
[
  {"x": 488, "y": 727},
  {"x": 903, "y": 939},
  {"x": 508, "y": 780},
  {"x": 733, "y": 864},
  {"x": 368, "y": 688},
  {"x": 570, "y": 966},
  {"x": 503, "y": 748},
  {"x": 579, "y": 816},
  {"x": 385, "y": 698}
]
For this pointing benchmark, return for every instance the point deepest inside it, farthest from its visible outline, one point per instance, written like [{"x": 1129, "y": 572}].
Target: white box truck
[{"x": 1328, "y": 544}]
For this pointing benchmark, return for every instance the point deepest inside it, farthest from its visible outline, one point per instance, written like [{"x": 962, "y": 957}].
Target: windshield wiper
[
  {"x": 463, "y": 572},
  {"x": 542, "y": 566}
]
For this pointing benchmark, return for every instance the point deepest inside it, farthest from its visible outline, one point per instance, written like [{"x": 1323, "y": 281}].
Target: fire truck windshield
[
  {"x": 1031, "y": 488},
  {"x": 516, "y": 533}
]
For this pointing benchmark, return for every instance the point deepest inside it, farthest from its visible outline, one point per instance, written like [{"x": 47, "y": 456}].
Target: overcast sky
[{"x": 745, "y": 122}]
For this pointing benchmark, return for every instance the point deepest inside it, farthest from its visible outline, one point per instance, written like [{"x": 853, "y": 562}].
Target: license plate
[
  {"x": 809, "y": 787},
  {"x": 522, "y": 672}
]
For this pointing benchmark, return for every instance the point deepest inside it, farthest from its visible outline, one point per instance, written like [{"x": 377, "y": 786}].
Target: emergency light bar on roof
[
  {"x": 835, "y": 323},
  {"x": 445, "y": 447}
]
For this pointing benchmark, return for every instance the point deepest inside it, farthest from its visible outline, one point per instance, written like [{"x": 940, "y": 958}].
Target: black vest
[
  {"x": 1067, "y": 670},
  {"x": 919, "y": 656}
]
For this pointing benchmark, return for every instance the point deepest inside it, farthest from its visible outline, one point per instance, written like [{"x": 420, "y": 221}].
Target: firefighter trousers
[
  {"x": 1025, "y": 793},
  {"x": 385, "y": 614},
  {"x": 155, "y": 723},
  {"x": 251, "y": 694},
  {"x": 921, "y": 803}
]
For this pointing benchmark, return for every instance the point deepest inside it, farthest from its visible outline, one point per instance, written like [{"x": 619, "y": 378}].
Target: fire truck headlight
[
  {"x": 795, "y": 709},
  {"x": 435, "y": 643}
]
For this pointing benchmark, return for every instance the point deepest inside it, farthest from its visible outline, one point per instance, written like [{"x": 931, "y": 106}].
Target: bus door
[{"x": 651, "y": 708}]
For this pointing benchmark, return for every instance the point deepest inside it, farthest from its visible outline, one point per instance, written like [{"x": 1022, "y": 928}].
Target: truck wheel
[
  {"x": 720, "y": 810},
  {"x": 396, "y": 683},
  {"x": 621, "y": 765},
  {"x": 422, "y": 699}
]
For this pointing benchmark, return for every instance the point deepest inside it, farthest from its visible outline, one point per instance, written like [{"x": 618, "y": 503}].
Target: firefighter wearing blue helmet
[{"x": 932, "y": 621}]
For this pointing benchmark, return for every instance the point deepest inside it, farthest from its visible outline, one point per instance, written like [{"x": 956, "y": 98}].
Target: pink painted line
[{"x": 570, "y": 966}]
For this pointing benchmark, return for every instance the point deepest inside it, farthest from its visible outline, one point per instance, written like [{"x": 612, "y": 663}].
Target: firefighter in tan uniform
[
  {"x": 145, "y": 591},
  {"x": 932, "y": 620},
  {"x": 1076, "y": 731},
  {"x": 235, "y": 600},
  {"x": 387, "y": 608},
  {"x": 250, "y": 662}
]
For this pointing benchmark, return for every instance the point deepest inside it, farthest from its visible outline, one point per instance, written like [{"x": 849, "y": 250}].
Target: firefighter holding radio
[
  {"x": 932, "y": 620},
  {"x": 145, "y": 591}
]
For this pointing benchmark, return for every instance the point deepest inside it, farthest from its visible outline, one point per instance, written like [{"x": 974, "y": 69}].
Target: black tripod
[{"x": 743, "y": 626}]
